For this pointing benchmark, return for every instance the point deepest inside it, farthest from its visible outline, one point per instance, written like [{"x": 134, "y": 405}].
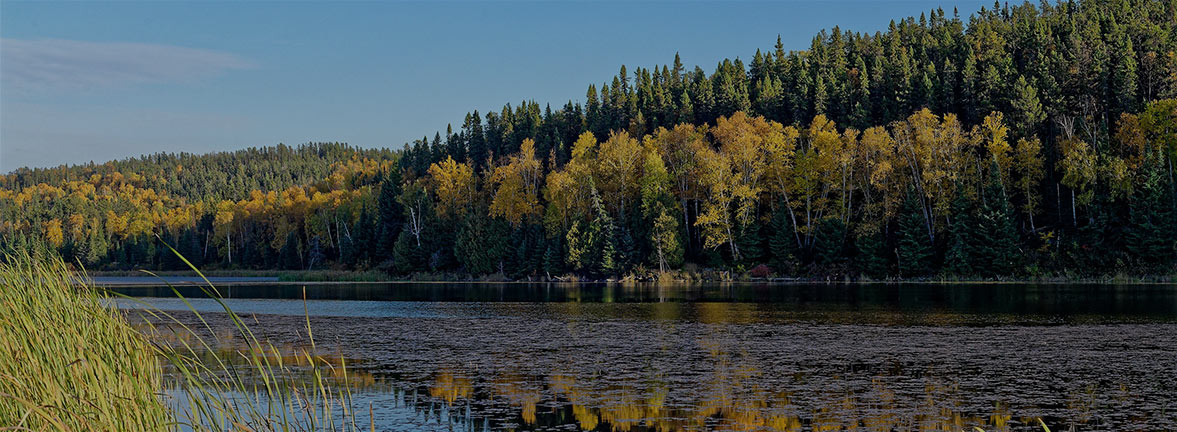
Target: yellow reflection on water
[{"x": 449, "y": 388}]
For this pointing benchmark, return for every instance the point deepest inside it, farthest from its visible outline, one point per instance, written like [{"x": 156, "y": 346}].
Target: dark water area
[{"x": 735, "y": 356}]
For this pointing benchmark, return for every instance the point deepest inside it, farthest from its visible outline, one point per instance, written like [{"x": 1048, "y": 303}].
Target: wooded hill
[{"x": 1032, "y": 140}]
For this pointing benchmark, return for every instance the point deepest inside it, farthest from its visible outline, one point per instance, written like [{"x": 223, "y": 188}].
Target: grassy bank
[{"x": 70, "y": 361}]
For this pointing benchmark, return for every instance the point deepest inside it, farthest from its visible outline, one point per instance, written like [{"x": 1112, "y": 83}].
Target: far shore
[{"x": 329, "y": 277}]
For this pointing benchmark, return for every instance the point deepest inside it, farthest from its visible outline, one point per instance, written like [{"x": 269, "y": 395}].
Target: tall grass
[
  {"x": 67, "y": 362},
  {"x": 70, "y": 361}
]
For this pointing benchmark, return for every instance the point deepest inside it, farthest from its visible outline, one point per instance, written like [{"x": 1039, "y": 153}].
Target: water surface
[{"x": 735, "y": 356}]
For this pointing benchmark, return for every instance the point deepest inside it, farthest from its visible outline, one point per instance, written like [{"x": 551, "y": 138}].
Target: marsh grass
[
  {"x": 71, "y": 361},
  {"x": 66, "y": 361}
]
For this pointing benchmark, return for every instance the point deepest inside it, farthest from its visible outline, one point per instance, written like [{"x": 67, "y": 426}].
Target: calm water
[{"x": 735, "y": 357}]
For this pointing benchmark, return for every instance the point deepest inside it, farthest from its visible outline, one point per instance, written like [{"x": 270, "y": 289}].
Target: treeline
[{"x": 1033, "y": 141}]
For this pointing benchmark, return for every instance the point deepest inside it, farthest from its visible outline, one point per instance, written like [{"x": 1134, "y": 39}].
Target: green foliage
[
  {"x": 1151, "y": 236},
  {"x": 592, "y": 247},
  {"x": 668, "y": 247},
  {"x": 873, "y": 257},
  {"x": 963, "y": 237},
  {"x": 782, "y": 244},
  {"x": 482, "y": 243},
  {"x": 914, "y": 250},
  {"x": 1067, "y": 76},
  {"x": 829, "y": 246}
]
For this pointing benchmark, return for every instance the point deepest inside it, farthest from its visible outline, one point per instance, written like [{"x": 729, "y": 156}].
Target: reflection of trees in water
[
  {"x": 735, "y": 366},
  {"x": 732, "y": 397}
]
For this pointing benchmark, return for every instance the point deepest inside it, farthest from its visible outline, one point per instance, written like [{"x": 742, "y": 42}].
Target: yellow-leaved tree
[{"x": 518, "y": 182}]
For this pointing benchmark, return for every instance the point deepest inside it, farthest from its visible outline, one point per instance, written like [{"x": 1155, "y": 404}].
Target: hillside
[{"x": 1029, "y": 140}]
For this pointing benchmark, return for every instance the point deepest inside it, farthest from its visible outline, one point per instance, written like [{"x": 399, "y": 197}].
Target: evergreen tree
[
  {"x": 1027, "y": 109},
  {"x": 960, "y": 258},
  {"x": 914, "y": 251},
  {"x": 873, "y": 258},
  {"x": 391, "y": 216},
  {"x": 829, "y": 246},
  {"x": 554, "y": 256},
  {"x": 1150, "y": 237},
  {"x": 592, "y": 246},
  {"x": 782, "y": 244},
  {"x": 407, "y": 255},
  {"x": 289, "y": 256},
  {"x": 667, "y": 247},
  {"x": 997, "y": 248},
  {"x": 482, "y": 244}
]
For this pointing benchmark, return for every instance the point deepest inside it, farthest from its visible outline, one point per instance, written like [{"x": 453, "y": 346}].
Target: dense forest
[{"x": 1028, "y": 141}]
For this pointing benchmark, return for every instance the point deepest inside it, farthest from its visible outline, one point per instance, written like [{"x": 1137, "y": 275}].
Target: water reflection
[
  {"x": 891, "y": 358},
  {"x": 1046, "y": 299}
]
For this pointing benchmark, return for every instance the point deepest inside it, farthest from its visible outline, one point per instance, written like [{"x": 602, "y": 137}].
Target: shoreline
[{"x": 134, "y": 278}]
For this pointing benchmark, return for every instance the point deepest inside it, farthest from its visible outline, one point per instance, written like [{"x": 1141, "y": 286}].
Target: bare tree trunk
[{"x": 1074, "y": 219}]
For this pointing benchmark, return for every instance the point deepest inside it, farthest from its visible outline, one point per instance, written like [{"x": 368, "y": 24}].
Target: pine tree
[
  {"x": 475, "y": 141},
  {"x": 1027, "y": 109},
  {"x": 482, "y": 244},
  {"x": 96, "y": 246},
  {"x": 750, "y": 241},
  {"x": 407, "y": 256}
]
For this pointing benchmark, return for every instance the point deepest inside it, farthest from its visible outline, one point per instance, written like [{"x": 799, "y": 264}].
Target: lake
[{"x": 548, "y": 357}]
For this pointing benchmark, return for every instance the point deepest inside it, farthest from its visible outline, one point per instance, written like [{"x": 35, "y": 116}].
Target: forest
[{"x": 1028, "y": 140}]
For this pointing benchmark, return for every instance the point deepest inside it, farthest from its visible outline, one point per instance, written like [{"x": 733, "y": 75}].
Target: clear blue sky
[{"x": 84, "y": 81}]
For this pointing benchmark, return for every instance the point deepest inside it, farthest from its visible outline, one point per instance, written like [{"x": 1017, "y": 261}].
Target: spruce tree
[
  {"x": 873, "y": 258},
  {"x": 1149, "y": 236},
  {"x": 667, "y": 246},
  {"x": 407, "y": 256},
  {"x": 959, "y": 260},
  {"x": 782, "y": 244},
  {"x": 998, "y": 245},
  {"x": 829, "y": 244},
  {"x": 914, "y": 250},
  {"x": 289, "y": 256},
  {"x": 391, "y": 216},
  {"x": 554, "y": 256}
]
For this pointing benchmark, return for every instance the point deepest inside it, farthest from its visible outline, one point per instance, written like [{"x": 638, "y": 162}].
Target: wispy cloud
[{"x": 51, "y": 64}]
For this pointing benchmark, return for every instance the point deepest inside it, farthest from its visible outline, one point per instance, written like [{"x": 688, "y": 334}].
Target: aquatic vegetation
[
  {"x": 66, "y": 361},
  {"x": 71, "y": 361}
]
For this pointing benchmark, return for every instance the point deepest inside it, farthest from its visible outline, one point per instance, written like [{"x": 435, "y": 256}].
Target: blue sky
[{"x": 82, "y": 81}]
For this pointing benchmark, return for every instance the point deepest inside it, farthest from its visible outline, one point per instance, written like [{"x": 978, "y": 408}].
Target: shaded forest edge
[{"x": 1034, "y": 143}]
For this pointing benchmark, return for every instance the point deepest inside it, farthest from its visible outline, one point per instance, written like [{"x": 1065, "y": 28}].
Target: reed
[
  {"x": 71, "y": 361},
  {"x": 67, "y": 362}
]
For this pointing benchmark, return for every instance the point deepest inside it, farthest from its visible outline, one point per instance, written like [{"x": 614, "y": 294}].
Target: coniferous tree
[
  {"x": 783, "y": 242},
  {"x": 829, "y": 246},
  {"x": 290, "y": 256},
  {"x": 963, "y": 239},
  {"x": 914, "y": 250},
  {"x": 997, "y": 250},
  {"x": 391, "y": 216},
  {"x": 1150, "y": 237},
  {"x": 667, "y": 247},
  {"x": 407, "y": 255},
  {"x": 554, "y": 256},
  {"x": 872, "y": 258}
]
